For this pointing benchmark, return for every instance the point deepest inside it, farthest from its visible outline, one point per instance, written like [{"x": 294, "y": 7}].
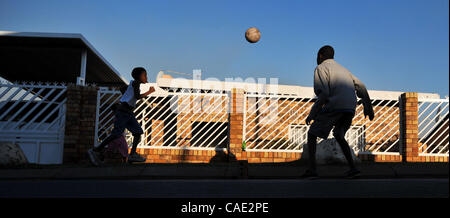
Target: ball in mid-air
[{"x": 252, "y": 35}]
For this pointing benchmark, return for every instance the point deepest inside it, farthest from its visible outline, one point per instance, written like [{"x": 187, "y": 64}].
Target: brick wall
[
  {"x": 236, "y": 123},
  {"x": 409, "y": 122},
  {"x": 388, "y": 119},
  {"x": 233, "y": 153},
  {"x": 80, "y": 122},
  {"x": 409, "y": 148}
]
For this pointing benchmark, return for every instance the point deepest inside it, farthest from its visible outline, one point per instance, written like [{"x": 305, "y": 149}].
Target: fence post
[
  {"x": 409, "y": 115},
  {"x": 236, "y": 124},
  {"x": 79, "y": 134}
]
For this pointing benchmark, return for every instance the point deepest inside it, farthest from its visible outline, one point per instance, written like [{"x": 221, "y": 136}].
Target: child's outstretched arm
[
  {"x": 321, "y": 90},
  {"x": 150, "y": 91},
  {"x": 362, "y": 93},
  {"x": 137, "y": 90}
]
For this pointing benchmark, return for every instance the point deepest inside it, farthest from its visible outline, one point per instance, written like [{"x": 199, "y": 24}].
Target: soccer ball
[{"x": 252, "y": 35}]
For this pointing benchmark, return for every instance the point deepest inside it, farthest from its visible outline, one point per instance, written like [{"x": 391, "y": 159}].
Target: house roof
[{"x": 54, "y": 57}]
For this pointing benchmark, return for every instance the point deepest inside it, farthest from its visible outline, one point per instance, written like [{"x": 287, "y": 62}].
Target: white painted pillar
[{"x": 81, "y": 80}]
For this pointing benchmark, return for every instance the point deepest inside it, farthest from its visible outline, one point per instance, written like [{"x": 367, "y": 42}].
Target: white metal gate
[
  {"x": 170, "y": 120},
  {"x": 277, "y": 123},
  {"x": 32, "y": 115},
  {"x": 104, "y": 118}
]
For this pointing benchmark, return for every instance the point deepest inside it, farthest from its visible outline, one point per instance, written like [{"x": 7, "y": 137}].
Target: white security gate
[
  {"x": 104, "y": 118},
  {"x": 433, "y": 127},
  {"x": 277, "y": 123},
  {"x": 170, "y": 120},
  {"x": 32, "y": 115}
]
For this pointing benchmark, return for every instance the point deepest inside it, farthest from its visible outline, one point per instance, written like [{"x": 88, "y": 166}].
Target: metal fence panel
[
  {"x": 104, "y": 118},
  {"x": 182, "y": 119},
  {"x": 277, "y": 123},
  {"x": 433, "y": 127}
]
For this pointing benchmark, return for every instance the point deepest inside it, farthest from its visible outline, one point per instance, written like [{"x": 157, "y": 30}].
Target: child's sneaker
[
  {"x": 135, "y": 157},
  {"x": 94, "y": 157}
]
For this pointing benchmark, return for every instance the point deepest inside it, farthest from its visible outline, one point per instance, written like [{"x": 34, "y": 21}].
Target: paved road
[{"x": 227, "y": 188}]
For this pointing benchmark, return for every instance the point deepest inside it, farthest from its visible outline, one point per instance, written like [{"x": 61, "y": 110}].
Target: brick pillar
[
  {"x": 409, "y": 115},
  {"x": 236, "y": 123},
  {"x": 80, "y": 122}
]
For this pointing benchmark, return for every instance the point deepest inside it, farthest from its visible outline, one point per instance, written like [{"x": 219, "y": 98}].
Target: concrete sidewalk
[{"x": 233, "y": 170}]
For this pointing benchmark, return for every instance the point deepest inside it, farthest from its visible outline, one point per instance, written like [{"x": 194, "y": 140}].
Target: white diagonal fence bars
[
  {"x": 433, "y": 122},
  {"x": 104, "y": 118},
  {"x": 182, "y": 119},
  {"x": 277, "y": 123},
  {"x": 32, "y": 115},
  {"x": 193, "y": 120}
]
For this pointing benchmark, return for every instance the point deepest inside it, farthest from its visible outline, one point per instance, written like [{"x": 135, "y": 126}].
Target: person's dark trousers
[
  {"x": 124, "y": 120},
  {"x": 341, "y": 123},
  {"x": 312, "y": 143},
  {"x": 345, "y": 148}
]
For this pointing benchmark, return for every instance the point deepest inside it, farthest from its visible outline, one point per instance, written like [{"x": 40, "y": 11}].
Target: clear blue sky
[{"x": 389, "y": 45}]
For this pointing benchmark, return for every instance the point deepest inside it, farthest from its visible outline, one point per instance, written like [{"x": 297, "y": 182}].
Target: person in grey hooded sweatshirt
[{"x": 336, "y": 89}]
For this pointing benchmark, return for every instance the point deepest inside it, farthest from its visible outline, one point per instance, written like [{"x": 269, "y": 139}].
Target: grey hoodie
[{"x": 335, "y": 88}]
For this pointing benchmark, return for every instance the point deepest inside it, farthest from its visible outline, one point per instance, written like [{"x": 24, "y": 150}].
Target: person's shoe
[
  {"x": 353, "y": 173},
  {"x": 309, "y": 174},
  {"x": 94, "y": 157},
  {"x": 135, "y": 157}
]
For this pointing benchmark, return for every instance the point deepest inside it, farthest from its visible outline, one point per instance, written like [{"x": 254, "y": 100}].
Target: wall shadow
[{"x": 222, "y": 157}]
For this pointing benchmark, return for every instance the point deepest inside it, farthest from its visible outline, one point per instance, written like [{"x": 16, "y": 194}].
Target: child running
[{"x": 125, "y": 119}]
